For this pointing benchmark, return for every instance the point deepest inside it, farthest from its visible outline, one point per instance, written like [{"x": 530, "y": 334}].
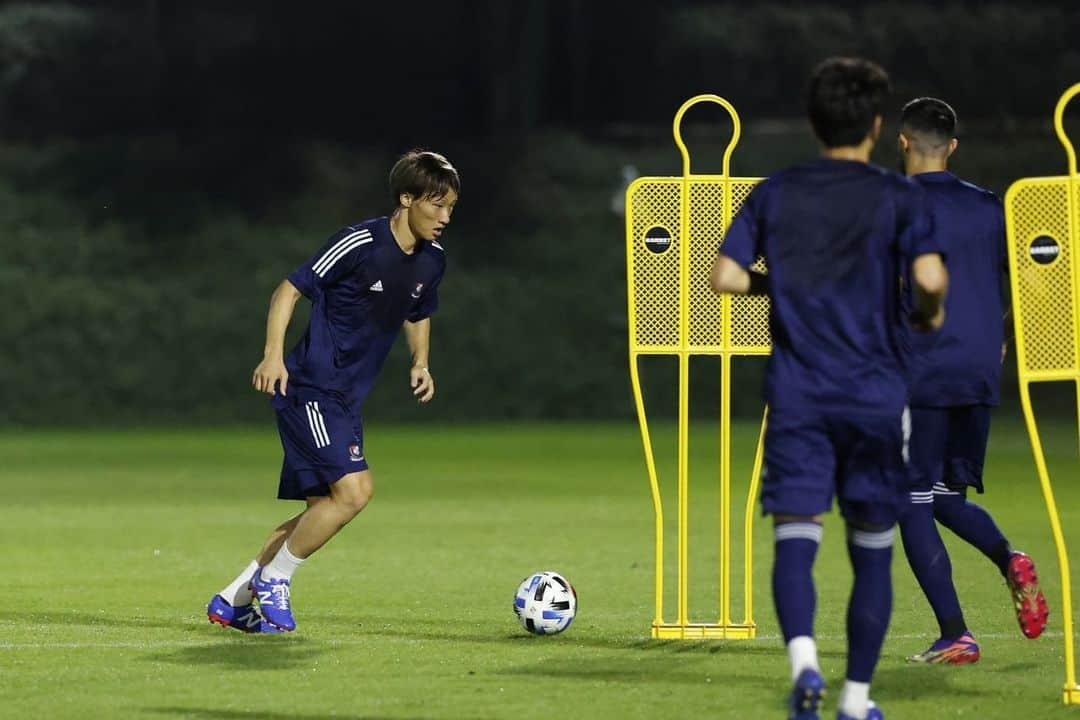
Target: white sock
[
  {"x": 855, "y": 699},
  {"x": 282, "y": 566},
  {"x": 237, "y": 593},
  {"x": 802, "y": 652}
]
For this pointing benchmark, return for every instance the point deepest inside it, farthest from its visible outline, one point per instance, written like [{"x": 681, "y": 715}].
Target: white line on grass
[
  {"x": 927, "y": 636},
  {"x": 154, "y": 645}
]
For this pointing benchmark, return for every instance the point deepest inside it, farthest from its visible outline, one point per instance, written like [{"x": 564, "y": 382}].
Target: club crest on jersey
[
  {"x": 354, "y": 453},
  {"x": 416, "y": 292}
]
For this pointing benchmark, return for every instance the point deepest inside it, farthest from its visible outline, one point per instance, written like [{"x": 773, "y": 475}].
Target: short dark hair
[
  {"x": 845, "y": 96},
  {"x": 930, "y": 120},
  {"x": 423, "y": 173}
]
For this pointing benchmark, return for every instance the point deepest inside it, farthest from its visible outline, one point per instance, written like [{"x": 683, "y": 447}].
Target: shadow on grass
[
  {"x": 213, "y": 714},
  {"x": 922, "y": 682},
  {"x": 441, "y": 631},
  {"x": 65, "y": 617},
  {"x": 703, "y": 672},
  {"x": 245, "y": 652}
]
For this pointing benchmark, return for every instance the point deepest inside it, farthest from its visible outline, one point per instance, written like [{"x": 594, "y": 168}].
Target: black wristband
[
  {"x": 918, "y": 319},
  {"x": 759, "y": 284}
]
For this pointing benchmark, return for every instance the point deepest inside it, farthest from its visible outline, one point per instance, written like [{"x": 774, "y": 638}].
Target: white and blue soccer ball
[{"x": 545, "y": 603}]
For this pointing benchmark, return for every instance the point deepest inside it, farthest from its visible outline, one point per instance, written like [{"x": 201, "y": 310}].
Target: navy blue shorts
[
  {"x": 859, "y": 458},
  {"x": 323, "y": 441},
  {"x": 948, "y": 448}
]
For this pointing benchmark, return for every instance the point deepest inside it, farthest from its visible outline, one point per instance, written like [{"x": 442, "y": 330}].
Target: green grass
[{"x": 113, "y": 541}]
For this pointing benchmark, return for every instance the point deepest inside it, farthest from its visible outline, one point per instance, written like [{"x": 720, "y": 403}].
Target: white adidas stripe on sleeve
[{"x": 340, "y": 249}]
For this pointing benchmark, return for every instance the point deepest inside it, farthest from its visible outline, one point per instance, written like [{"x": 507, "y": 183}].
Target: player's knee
[
  {"x": 870, "y": 535},
  {"x": 354, "y": 491},
  {"x": 781, "y": 518},
  {"x": 947, "y": 504},
  {"x": 871, "y": 527}
]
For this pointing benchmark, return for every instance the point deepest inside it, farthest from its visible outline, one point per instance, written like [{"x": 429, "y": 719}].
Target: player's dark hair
[
  {"x": 845, "y": 96},
  {"x": 422, "y": 173},
  {"x": 928, "y": 119}
]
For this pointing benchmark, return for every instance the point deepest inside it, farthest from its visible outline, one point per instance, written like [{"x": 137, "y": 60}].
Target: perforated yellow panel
[
  {"x": 749, "y": 324},
  {"x": 1041, "y": 263},
  {"x": 707, "y": 223},
  {"x": 660, "y": 282},
  {"x": 655, "y": 277}
]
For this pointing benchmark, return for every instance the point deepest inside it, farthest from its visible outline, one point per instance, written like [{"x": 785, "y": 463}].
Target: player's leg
[
  {"x": 869, "y": 547},
  {"x": 325, "y": 516},
  {"x": 797, "y": 538},
  {"x": 324, "y": 465},
  {"x": 871, "y": 482},
  {"x": 233, "y": 607},
  {"x": 923, "y": 546},
  {"x": 968, "y": 433},
  {"x": 973, "y": 524},
  {"x": 323, "y": 519},
  {"x": 277, "y": 537},
  {"x": 796, "y": 490},
  {"x": 237, "y": 592}
]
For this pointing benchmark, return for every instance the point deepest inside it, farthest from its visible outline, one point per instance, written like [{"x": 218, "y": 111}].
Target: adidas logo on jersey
[{"x": 377, "y": 287}]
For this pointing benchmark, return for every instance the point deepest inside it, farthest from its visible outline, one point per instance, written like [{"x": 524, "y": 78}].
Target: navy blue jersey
[
  {"x": 362, "y": 287},
  {"x": 961, "y": 363},
  {"x": 835, "y": 235}
]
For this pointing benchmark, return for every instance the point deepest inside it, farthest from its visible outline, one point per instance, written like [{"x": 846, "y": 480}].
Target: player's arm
[
  {"x": 418, "y": 336},
  {"x": 728, "y": 276},
  {"x": 338, "y": 258},
  {"x": 731, "y": 270},
  {"x": 271, "y": 371},
  {"x": 930, "y": 282},
  {"x": 1005, "y": 288},
  {"x": 919, "y": 244},
  {"x": 1006, "y": 331}
]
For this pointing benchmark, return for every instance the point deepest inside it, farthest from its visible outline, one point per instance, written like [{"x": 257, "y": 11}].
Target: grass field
[{"x": 113, "y": 541}]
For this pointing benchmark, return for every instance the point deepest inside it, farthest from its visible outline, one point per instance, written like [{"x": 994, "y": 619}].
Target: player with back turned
[
  {"x": 836, "y": 234},
  {"x": 369, "y": 282},
  {"x": 954, "y": 381}
]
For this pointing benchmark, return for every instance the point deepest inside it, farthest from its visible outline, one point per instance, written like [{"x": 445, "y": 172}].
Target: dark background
[{"x": 164, "y": 164}]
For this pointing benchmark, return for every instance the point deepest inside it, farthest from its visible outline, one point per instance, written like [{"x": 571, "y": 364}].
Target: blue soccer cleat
[
  {"x": 244, "y": 618},
  {"x": 872, "y": 714},
  {"x": 272, "y": 599},
  {"x": 806, "y": 696}
]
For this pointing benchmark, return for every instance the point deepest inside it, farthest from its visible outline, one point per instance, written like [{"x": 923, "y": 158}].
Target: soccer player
[
  {"x": 369, "y": 281},
  {"x": 835, "y": 232},
  {"x": 954, "y": 384}
]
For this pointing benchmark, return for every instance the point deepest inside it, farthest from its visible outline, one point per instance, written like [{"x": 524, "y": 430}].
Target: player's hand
[
  {"x": 271, "y": 372},
  {"x": 422, "y": 383}
]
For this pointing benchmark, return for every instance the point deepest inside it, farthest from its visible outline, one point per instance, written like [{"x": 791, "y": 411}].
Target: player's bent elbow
[
  {"x": 715, "y": 284},
  {"x": 727, "y": 276}
]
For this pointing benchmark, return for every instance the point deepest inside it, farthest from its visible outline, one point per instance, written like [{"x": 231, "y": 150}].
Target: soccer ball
[{"x": 545, "y": 603}]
